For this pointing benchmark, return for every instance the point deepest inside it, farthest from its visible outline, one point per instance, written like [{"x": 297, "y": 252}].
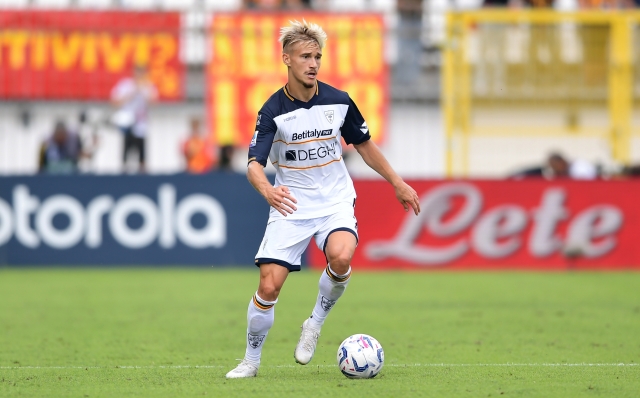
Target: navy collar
[{"x": 302, "y": 104}]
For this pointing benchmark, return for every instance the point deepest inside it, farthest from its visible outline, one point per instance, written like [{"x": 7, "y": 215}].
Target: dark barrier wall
[{"x": 216, "y": 219}]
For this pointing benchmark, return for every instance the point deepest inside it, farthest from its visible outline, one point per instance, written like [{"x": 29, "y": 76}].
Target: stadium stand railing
[{"x": 519, "y": 84}]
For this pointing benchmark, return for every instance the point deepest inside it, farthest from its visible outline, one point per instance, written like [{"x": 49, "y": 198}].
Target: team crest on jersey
[
  {"x": 329, "y": 116},
  {"x": 255, "y": 340},
  {"x": 258, "y": 121}
]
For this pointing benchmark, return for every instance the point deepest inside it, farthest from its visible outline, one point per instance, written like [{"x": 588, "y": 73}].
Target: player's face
[{"x": 304, "y": 60}]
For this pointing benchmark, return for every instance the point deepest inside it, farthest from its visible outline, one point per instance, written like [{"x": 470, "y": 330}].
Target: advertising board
[
  {"x": 530, "y": 224},
  {"x": 215, "y": 219},
  {"x": 219, "y": 220},
  {"x": 47, "y": 54}
]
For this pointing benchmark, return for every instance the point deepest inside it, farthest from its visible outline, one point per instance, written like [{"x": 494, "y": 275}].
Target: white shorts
[{"x": 285, "y": 240}]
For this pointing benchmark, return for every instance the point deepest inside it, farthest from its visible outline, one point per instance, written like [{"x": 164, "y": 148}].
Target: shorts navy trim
[
  {"x": 264, "y": 260},
  {"x": 324, "y": 246}
]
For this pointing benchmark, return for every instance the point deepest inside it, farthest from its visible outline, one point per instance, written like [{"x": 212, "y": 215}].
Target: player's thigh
[
  {"x": 284, "y": 243},
  {"x": 338, "y": 238}
]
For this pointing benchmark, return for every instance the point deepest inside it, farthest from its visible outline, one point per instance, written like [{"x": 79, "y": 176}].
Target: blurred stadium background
[
  {"x": 532, "y": 81},
  {"x": 475, "y": 89}
]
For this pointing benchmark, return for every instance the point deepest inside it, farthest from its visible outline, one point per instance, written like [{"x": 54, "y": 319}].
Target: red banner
[
  {"x": 246, "y": 68},
  {"x": 499, "y": 225},
  {"x": 82, "y": 55}
]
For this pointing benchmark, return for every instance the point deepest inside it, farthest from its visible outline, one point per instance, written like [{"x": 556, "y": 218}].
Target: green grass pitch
[{"x": 176, "y": 332}]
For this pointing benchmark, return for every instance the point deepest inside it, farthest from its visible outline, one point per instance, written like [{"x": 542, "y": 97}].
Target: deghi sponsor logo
[
  {"x": 311, "y": 134},
  {"x": 311, "y": 154}
]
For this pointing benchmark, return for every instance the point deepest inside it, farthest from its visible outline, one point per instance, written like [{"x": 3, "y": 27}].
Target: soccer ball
[{"x": 360, "y": 357}]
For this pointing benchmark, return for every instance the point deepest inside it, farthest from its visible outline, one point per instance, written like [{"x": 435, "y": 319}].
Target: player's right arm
[{"x": 278, "y": 197}]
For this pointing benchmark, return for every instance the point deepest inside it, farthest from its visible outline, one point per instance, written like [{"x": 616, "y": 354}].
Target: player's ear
[{"x": 286, "y": 59}]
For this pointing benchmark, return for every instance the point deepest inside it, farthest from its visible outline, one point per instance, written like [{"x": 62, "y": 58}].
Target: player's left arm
[
  {"x": 374, "y": 158},
  {"x": 355, "y": 131}
]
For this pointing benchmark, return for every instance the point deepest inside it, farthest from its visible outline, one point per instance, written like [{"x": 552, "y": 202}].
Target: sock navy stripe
[
  {"x": 260, "y": 304},
  {"x": 336, "y": 277}
]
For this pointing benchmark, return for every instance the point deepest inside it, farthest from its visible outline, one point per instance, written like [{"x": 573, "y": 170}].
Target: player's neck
[{"x": 300, "y": 92}]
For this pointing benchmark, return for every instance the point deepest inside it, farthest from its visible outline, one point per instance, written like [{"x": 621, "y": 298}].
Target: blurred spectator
[
  {"x": 275, "y": 4},
  {"x": 297, "y": 4},
  {"x": 198, "y": 150},
  {"x": 88, "y": 135},
  {"x": 501, "y": 3},
  {"x": 262, "y": 4},
  {"x": 562, "y": 4},
  {"x": 226, "y": 156},
  {"x": 559, "y": 167},
  {"x": 519, "y": 3},
  {"x": 60, "y": 153},
  {"x": 407, "y": 69},
  {"x": 132, "y": 96},
  {"x": 606, "y": 4},
  {"x": 530, "y": 172},
  {"x": 630, "y": 171},
  {"x": 577, "y": 169}
]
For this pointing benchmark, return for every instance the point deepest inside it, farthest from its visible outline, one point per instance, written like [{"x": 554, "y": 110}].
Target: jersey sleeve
[
  {"x": 354, "y": 129},
  {"x": 262, "y": 140}
]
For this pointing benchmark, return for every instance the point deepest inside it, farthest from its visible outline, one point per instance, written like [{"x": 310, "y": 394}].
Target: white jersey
[
  {"x": 302, "y": 141},
  {"x": 136, "y": 108}
]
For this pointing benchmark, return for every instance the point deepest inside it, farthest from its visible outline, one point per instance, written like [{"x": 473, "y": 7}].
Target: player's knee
[
  {"x": 341, "y": 262},
  {"x": 268, "y": 291}
]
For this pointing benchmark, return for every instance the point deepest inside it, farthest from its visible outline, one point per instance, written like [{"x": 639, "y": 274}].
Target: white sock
[
  {"x": 260, "y": 317},
  {"x": 331, "y": 286}
]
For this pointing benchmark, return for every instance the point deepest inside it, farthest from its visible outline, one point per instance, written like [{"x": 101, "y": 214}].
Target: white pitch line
[
  {"x": 447, "y": 365},
  {"x": 517, "y": 364},
  {"x": 395, "y": 365}
]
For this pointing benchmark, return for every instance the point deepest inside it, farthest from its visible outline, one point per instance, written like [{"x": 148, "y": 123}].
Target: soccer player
[{"x": 298, "y": 130}]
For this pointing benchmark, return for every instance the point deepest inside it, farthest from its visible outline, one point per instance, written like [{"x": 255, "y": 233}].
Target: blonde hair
[{"x": 300, "y": 32}]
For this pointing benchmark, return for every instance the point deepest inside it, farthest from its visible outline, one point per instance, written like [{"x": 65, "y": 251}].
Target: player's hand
[
  {"x": 408, "y": 197},
  {"x": 281, "y": 199}
]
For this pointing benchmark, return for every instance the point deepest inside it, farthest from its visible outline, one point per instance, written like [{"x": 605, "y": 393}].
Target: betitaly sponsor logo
[{"x": 311, "y": 134}]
